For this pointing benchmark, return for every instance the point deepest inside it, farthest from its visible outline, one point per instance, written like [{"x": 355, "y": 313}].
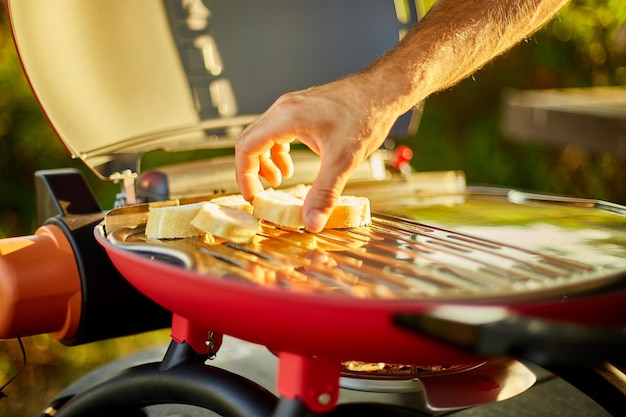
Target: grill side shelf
[{"x": 499, "y": 333}]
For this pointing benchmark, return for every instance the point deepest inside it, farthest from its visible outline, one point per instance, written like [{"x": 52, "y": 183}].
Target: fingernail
[{"x": 315, "y": 221}]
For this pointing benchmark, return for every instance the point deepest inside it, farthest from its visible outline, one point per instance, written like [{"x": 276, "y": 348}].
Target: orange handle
[{"x": 40, "y": 290}]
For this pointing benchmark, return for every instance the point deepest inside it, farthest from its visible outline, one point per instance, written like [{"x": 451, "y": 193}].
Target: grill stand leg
[
  {"x": 293, "y": 408},
  {"x": 306, "y": 382},
  {"x": 200, "y": 339}
]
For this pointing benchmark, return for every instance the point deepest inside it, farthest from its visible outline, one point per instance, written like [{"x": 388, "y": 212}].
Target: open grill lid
[{"x": 117, "y": 78}]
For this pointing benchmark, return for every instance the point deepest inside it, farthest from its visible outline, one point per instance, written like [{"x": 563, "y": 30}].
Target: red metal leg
[
  {"x": 313, "y": 380},
  {"x": 184, "y": 330}
]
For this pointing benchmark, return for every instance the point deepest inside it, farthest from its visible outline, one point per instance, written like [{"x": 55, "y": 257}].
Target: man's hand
[
  {"x": 337, "y": 121},
  {"x": 345, "y": 121}
]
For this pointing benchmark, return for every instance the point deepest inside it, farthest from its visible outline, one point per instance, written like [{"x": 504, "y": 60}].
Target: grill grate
[{"x": 394, "y": 257}]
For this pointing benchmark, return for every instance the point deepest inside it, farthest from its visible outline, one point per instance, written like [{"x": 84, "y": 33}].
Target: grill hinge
[{"x": 127, "y": 195}]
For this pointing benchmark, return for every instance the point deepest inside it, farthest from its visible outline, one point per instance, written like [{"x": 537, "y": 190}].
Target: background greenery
[
  {"x": 460, "y": 130},
  {"x": 461, "y": 127}
]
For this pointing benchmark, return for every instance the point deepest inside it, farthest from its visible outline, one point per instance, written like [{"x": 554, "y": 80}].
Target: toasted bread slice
[
  {"x": 235, "y": 201},
  {"x": 299, "y": 190},
  {"x": 350, "y": 212},
  {"x": 172, "y": 222},
  {"x": 279, "y": 208},
  {"x": 229, "y": 223},
  {"x": 285, "y": 209}
]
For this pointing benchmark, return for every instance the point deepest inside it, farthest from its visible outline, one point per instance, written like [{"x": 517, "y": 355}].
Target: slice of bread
[
  {"x": 350, "y": 212},
  {"x": 279, "y": 208},
  {"x": 235, "y": 201},
  {"x": 229, "y": 223},
  {"x": 173, "y": 222},
  {"x": 284, "y": 208},
  {"x": 299, "y": 190}
]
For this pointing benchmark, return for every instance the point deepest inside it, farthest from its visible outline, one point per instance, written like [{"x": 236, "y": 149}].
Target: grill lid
[{"x": 117, "y": 78}]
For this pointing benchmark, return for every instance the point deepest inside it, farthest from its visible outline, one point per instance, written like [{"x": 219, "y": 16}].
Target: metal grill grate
[{"x": 392, "y": 258}]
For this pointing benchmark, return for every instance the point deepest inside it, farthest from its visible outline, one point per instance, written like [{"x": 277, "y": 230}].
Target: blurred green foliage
[
  {"x": 461, "y": 127},
  {"x": 460, "y": 130},
  {"x": 51, "y": 367},
  {"x": 27, "y": 144}
]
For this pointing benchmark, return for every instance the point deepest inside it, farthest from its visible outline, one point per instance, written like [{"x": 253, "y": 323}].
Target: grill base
[{"x": 550, "y": 395}]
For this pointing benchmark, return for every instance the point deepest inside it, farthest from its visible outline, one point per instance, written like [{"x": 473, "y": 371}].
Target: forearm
[
  {"x": 430, "y": 59},
  {"x": 345, "y": 121}
]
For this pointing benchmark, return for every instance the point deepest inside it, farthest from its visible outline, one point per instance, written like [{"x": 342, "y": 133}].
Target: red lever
[
  {"x": 40, "y": 290},
  {"x": 401, "y": 159}
]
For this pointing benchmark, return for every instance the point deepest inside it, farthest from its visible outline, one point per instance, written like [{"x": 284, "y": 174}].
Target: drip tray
[{"x": 449, "y": 388}]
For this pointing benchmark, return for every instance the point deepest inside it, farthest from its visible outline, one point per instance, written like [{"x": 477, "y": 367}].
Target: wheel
[{"x": 192, "y": 384}]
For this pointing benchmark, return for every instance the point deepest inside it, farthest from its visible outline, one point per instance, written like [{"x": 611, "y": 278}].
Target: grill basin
[{"x": 294, "y": 291}]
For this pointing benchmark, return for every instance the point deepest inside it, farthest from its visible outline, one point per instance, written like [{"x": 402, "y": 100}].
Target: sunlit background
[{"x": 585, "y": 46}]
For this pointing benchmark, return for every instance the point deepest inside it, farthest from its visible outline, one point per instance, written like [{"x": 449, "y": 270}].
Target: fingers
[
  {"x": 280, "y": 156},
  {"x": 269, "y": 171},
  {"x": 276, "y": 164},
  {"x": 247, "y": 173},
  {"x": 325, "y": 191},
  {"x": 259, "y": 154}
]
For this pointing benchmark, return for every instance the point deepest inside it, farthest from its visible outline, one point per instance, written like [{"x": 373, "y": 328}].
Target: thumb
[{"x": 324, "y": 193}]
